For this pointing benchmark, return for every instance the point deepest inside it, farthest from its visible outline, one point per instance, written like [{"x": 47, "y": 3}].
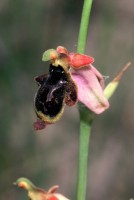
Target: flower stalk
[
  {"x": 82, "y": 38},
  {"x": 86, "y": 117},
  {"x": 86, "y": 120}
]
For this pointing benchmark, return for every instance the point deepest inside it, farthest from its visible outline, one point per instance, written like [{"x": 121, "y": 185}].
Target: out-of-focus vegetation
[{"x": 27, "y": 29}]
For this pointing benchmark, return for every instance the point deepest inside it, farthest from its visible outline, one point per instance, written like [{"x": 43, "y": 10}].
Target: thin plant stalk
[
  {"x": 86, "y": 116},
  {"x": 83, "y": 31},
  {"x": 86, "y": 120}
]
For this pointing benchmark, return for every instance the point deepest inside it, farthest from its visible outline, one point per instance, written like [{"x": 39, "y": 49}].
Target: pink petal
[{"x": 90, "y": 85}]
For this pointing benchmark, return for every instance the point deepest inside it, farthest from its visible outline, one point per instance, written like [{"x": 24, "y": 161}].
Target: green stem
[
  {"x": 84, "y": 26},
  {"x": 86, "y": 120},
  {"x": 86, "y": 116}
]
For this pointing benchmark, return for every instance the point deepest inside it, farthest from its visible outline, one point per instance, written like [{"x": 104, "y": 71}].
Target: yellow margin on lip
[{"x": 48, "y": 119}]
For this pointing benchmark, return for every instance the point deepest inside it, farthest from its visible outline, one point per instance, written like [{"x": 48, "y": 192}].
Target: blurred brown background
[{"x": 27, "y": 29}]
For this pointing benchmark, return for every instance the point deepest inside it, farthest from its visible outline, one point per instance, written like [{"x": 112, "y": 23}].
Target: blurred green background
[{"x": 27, "y": 29}]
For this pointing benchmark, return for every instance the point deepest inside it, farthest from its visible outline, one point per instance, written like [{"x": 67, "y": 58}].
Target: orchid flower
[
  {"x": 89, "y": 81},
  {"x": 36, "y": 193}
]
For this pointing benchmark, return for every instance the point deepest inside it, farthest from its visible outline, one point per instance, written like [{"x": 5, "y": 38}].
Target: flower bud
[{"x": 112, "y": 86}]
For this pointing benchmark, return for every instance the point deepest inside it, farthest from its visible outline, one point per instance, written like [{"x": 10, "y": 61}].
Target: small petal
[
  {"x": 112, "y": 86},
  {"x": 80, "y": 60},
  {"x": 90, "y": 85},
  {"x": 61, "y": 49}
]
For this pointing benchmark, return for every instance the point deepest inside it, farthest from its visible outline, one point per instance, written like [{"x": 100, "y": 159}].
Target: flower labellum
[{"x": 55, "y": 90}]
